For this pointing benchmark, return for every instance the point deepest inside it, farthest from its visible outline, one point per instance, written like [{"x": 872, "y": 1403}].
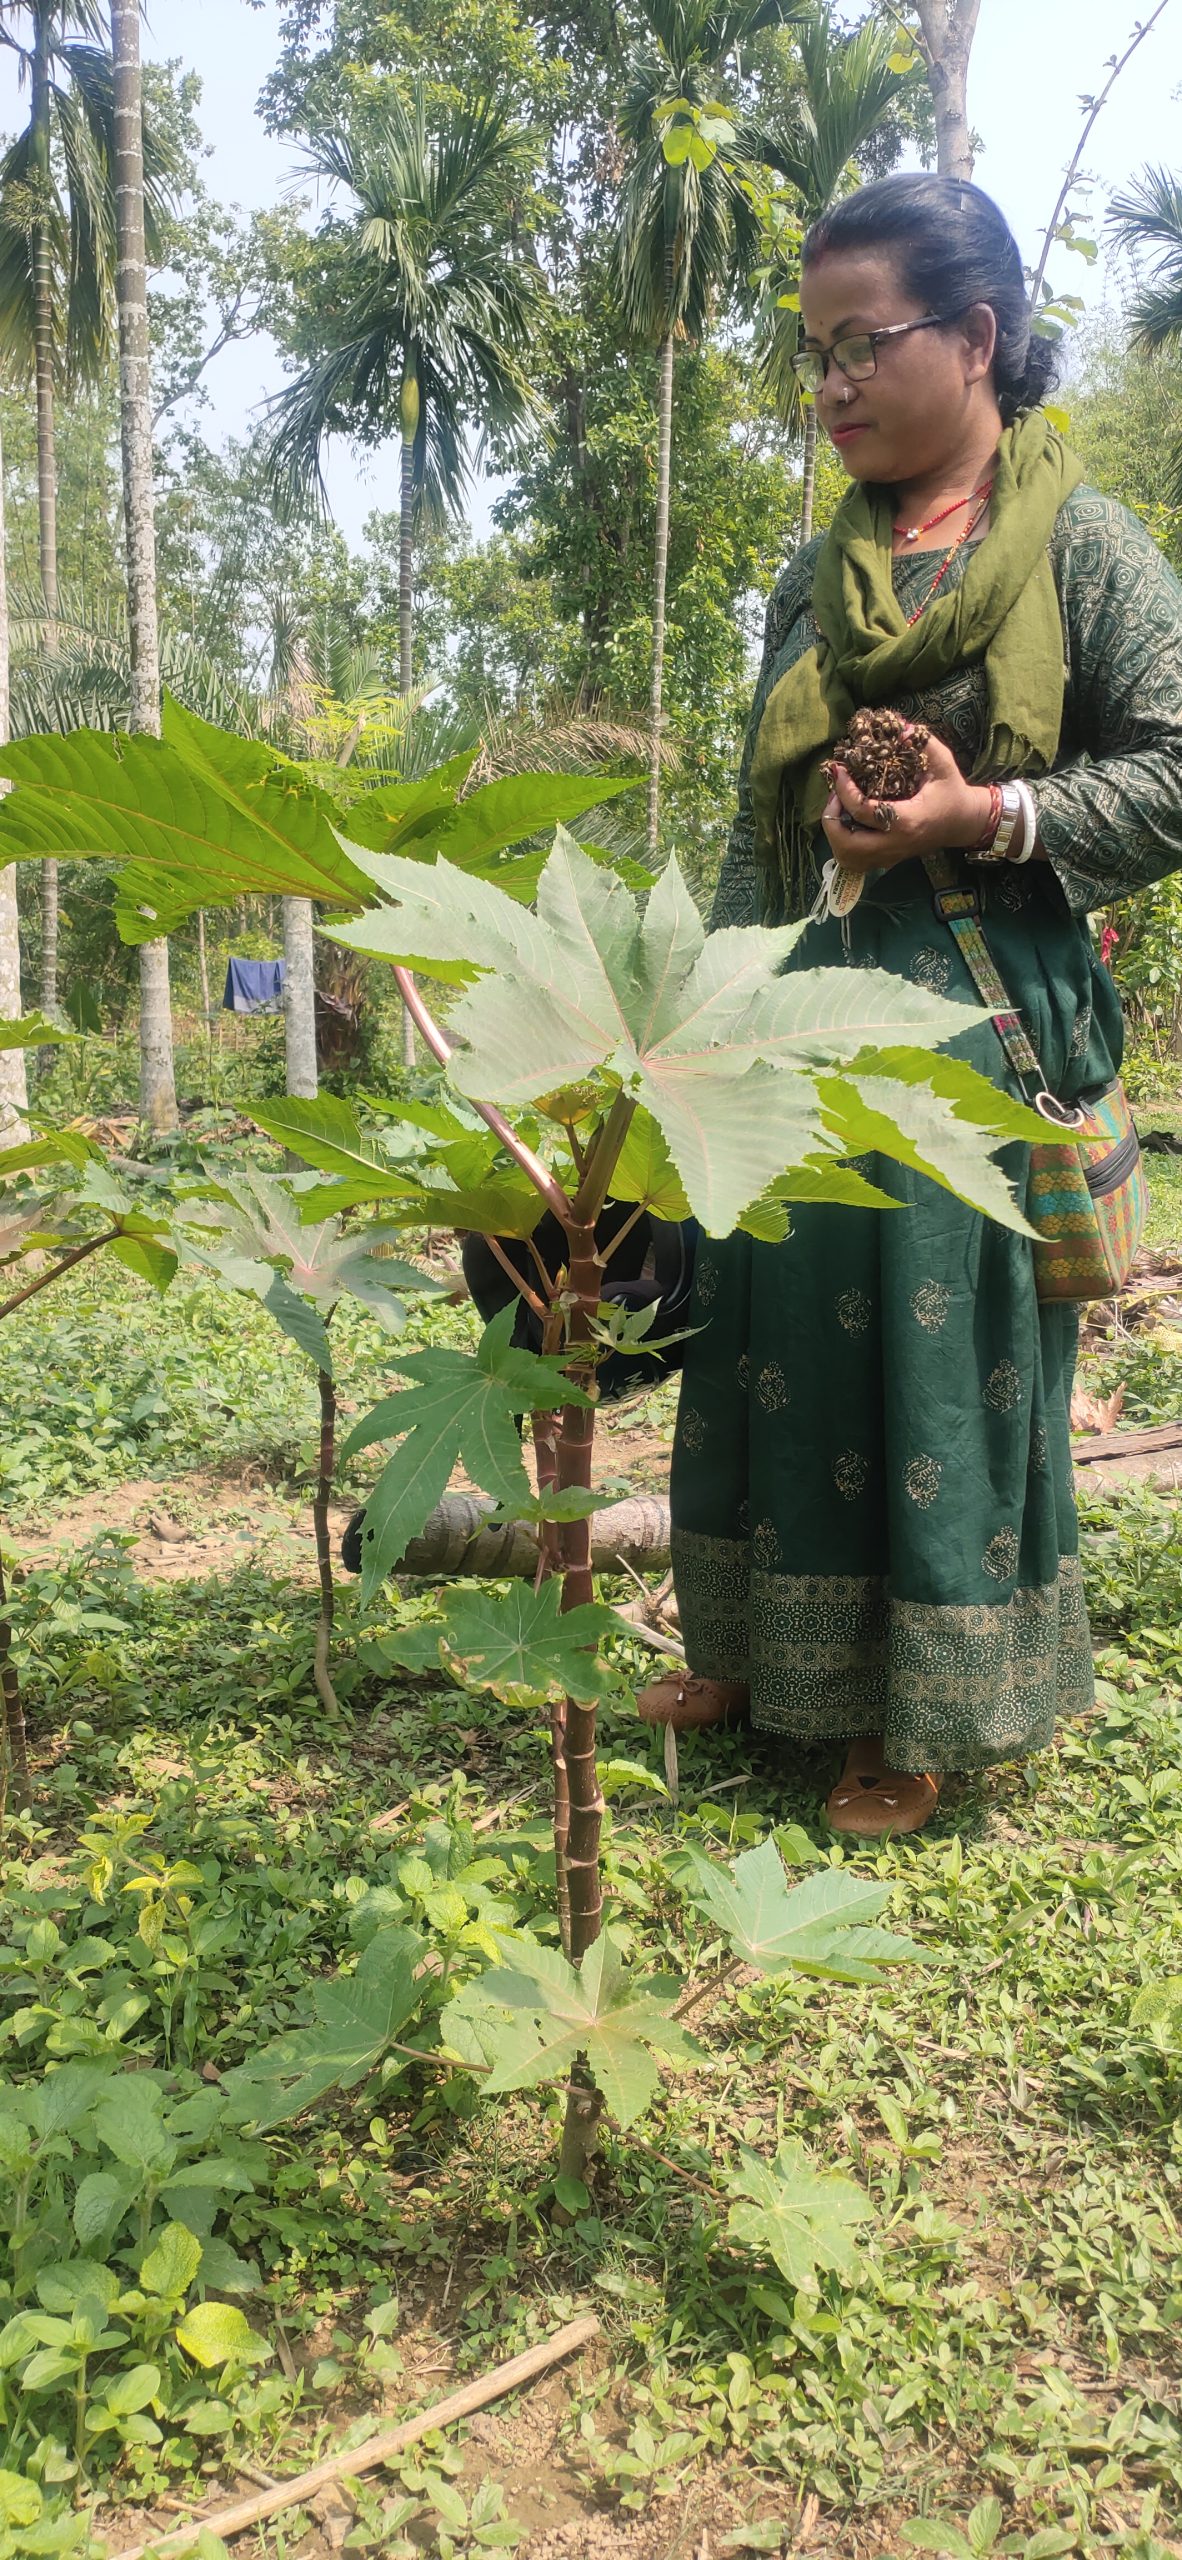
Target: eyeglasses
[{"x": 856, "y": 357}]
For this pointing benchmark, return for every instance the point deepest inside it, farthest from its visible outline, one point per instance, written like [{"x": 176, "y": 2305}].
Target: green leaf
[
  {"x": 357, "y": 2016},
  {"x": 816, "y": 1927},
  {"x": 197, "y": 817},
  {"x": 20, "y": 2499},
  {"x": 172, "y": 2263},
  {"x": 700, "y": 1031},
  {"x": 984, "y": 2524},
  {"x": 926, "y": 2534},
  {"x": 645, "y": 1171},
  {"x": 802, "y": 2219},
  {"x": 128, "y": 2392},
  {"x": 32, "y": 1031},
  {"x": 919, "y": 1128},
  {"x": 458, "y": 1409},
  {"x": 326, "y": 1133},
  {"x": 518, "y": 1644},
  {"x": 472, "y": 832},
  {"x": 130, "y": 2124},
  {"x": 156, "y": 1263},
  {"x": 619, "y": 2025},
  {"x": 252, "y": 1234},
  {"x": 99, "y": 2206},
  {"x": 216, "y": 2333}
]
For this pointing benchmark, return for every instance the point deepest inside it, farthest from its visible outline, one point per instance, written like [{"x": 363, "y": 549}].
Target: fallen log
[{"x": 458, "y": 1540}]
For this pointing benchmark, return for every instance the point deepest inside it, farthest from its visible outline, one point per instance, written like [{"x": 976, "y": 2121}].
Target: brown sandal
[
  {"x": 871, "y": 1802},
  {"x": 690, "y": 1704}
]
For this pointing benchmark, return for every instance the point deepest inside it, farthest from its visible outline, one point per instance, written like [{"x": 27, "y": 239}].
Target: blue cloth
[{"x": 254, "y": 986}]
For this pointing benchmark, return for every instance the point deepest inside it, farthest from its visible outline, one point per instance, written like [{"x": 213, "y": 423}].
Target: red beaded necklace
[
  {"x": 912, "y": 532},
  {"x": 949, "y": 556}
]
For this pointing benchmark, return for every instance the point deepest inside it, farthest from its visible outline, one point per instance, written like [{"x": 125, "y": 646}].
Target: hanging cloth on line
[{"x": 253, "y": 986}]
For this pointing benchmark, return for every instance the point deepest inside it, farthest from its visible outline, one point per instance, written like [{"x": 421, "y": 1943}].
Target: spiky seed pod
[{"x": 884, "y": 754}]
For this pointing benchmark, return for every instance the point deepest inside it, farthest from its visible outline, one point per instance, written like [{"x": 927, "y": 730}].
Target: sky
[{"x": 1031, "y": 62}]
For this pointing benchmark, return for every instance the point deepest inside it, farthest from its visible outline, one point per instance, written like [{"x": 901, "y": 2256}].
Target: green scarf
[{"x": 1004, "y": 610}]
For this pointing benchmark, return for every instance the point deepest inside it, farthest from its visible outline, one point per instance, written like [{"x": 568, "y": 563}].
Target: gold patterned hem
[{"x": 830, "y": 1656}]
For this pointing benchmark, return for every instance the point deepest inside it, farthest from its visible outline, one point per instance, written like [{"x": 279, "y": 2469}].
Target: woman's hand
[{"x": 947, "y": 811}]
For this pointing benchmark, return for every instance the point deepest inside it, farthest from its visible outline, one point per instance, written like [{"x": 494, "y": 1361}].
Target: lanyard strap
[{"x": 958, "y": 905}]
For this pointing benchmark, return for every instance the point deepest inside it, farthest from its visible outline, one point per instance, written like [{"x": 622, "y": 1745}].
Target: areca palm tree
[
  {"x": 434, "y": 330},
  {"x": 685, "y": 226},
  {"x": 847, "y": 91},
  {"x": 157, "y": 1073},
  {"x": 1146, "y": 221},
  {"x": 58, "y": 254}
]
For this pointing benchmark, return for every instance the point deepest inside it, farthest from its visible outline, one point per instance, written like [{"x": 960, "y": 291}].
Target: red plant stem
[
  {"x": 16, "y": 1744},
  {"x": 68, "y": 1262},
  {"x": 440, "y": 1048},
  {"x": 522, "y": 1286},
  {"x": 575, "y": 1444},
  {"x": 621, "y": 1232},
  {"x": 602, "y": 1161}
]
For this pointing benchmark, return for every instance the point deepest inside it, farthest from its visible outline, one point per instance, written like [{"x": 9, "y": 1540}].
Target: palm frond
[{"x": 1146, "y": 222}]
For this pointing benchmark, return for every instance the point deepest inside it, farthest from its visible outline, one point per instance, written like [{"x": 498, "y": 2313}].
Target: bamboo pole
[{"x": 225, "y": 2522}]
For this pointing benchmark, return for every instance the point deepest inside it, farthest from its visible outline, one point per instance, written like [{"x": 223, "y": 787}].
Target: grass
[{"x": 1014, "y": 2326}]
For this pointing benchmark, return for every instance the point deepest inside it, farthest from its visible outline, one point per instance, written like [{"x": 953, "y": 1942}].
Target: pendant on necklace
[{"x": 912, "y": 533}]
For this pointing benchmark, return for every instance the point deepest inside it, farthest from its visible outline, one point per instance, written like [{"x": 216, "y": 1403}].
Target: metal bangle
[
  {"x": 1023, "y": 850},
  {"x": 1007, "y": 826}
]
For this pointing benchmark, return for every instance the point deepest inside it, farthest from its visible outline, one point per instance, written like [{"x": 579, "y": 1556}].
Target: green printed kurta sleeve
[{"x": 1110, "y": 817}]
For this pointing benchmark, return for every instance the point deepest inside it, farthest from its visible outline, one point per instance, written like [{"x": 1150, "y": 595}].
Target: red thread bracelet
[{"x": 988, "y": 833}]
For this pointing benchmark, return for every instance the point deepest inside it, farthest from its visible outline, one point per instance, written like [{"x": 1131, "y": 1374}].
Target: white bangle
[
  {"x": 1024, "y": 848},
  {"x": 1009, "y": 821}
]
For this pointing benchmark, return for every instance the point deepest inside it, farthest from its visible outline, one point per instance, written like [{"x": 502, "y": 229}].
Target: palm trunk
[
  {"x": 808, "y": 477},
  {"x": 14, "y": 1097},
  {"x": 948, "y": 28},
  {"x": 43, "y": 361},
  {"x": 406, "y": 600},
  {"x": 660, "y": 564},
  {"x": 203, "y": 973},
  {"x": 299, "y": 998},
  {"x": 406, "y": 568},
  {"x": 157, "y": 1075}
]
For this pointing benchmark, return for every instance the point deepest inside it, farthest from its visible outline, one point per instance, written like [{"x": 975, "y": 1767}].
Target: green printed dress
[{"x": 874, "y": 1520}]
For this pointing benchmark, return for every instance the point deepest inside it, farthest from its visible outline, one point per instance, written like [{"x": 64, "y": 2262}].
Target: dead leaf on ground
[{"x": 1095, "y": 1413}]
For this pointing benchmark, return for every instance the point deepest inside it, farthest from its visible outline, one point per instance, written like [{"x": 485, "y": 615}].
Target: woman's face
[{"x": 917, "y": 410}]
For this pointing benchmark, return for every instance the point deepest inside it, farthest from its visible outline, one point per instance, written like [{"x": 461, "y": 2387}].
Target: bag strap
[{"x": 957, "y": 902}]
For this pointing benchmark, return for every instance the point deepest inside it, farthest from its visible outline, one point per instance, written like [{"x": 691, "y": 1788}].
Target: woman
[{"x": 875, "y": 1539}]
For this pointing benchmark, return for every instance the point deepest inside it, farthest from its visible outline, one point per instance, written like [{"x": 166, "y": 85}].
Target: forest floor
[{"x": 1014, "y": 2330}]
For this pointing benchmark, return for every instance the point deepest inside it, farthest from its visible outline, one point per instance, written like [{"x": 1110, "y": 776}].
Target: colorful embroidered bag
[{"x": 1087, "y": 1196}]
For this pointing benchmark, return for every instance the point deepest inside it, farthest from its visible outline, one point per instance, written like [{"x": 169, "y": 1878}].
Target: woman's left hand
[{"x": 947, "y": 811}]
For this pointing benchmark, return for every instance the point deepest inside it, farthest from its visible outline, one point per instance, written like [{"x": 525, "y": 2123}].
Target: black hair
[{"x": 952, "y": 247}]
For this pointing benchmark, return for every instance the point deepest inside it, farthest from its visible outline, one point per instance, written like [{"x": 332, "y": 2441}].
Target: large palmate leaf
[
  {"x": 369, "y": 1166},
  {"x": 701, "y": 1031},
  {"x": 517, "y": 1643},
  {"x": 555, "y": 2015},
  {"x": 250, "y": 1233},
  {"x": 473, "y": 832},
  {"x": 32, "y": 1031},
  {"x": 459, "y": 1410},
  {"x": 801, "y": 2218},
  {"x": 197, "y": 818},
  {"x": 818, "y": 1927},
  {"x": 357, "y": 2017}
]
